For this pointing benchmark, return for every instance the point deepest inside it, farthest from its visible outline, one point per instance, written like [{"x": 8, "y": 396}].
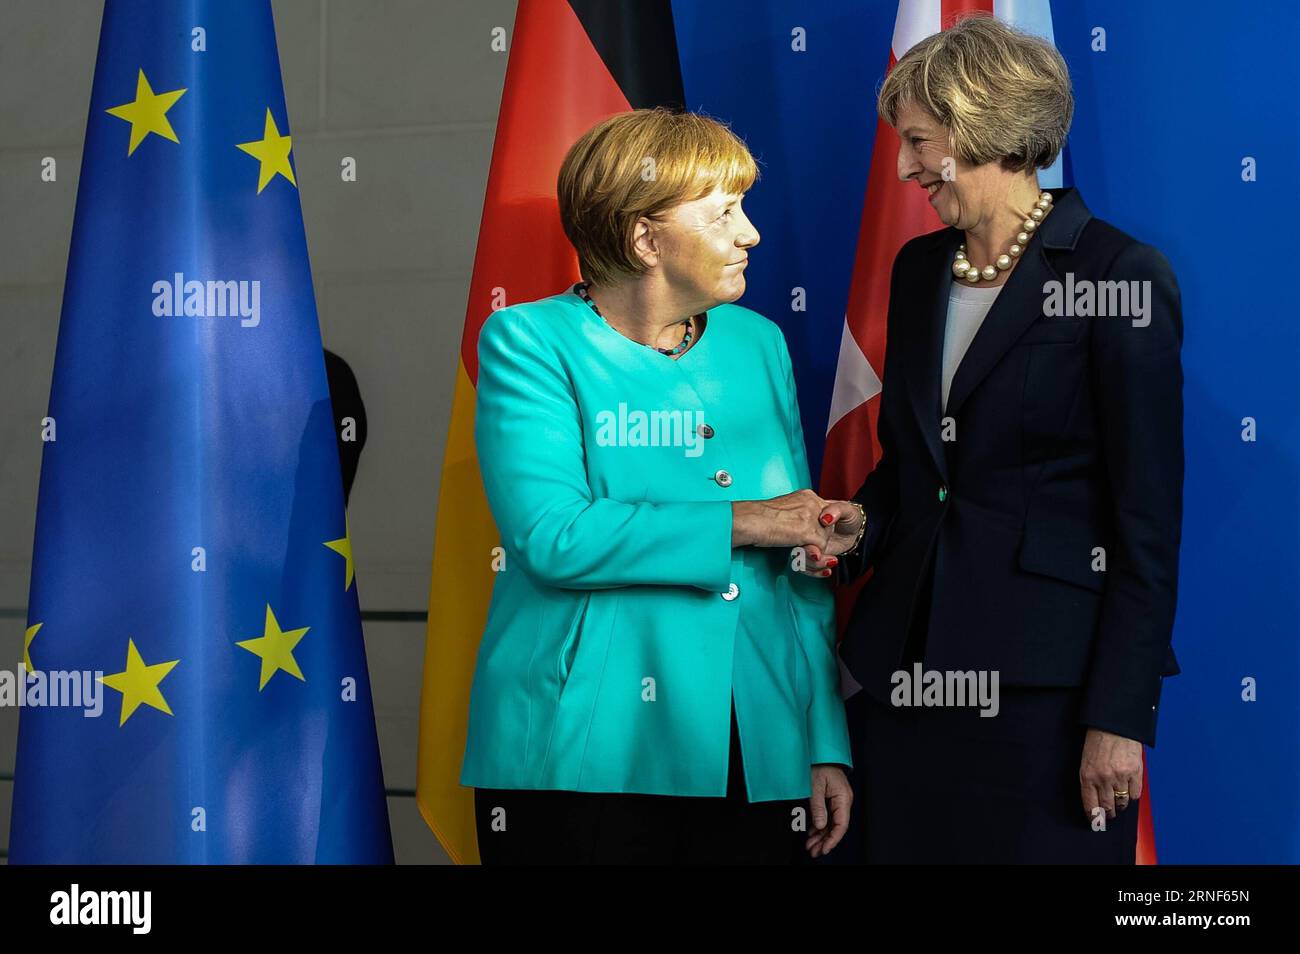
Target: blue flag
[{"x": 196, "y": 687}]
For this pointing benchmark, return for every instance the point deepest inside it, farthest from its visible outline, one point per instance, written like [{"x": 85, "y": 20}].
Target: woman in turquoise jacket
[{"x": 642, "y": 454}]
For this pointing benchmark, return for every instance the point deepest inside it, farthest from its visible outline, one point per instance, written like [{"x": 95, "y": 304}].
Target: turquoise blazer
[{"x": 623, "y": 620}]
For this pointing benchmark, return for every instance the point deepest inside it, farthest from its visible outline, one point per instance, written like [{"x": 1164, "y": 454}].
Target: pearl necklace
[{"x": 962, "y": 268}]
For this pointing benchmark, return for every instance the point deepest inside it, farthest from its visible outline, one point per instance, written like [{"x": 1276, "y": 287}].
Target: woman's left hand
[
  {"x": 1111, "y": 765},
  {"x": 831, "y": 799}
]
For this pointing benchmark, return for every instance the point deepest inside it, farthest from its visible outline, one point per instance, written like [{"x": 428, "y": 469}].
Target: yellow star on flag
[
  {"x": 343, "y": 548},
  {"x": 27, "y": 645},
  {"x": 138, "y": 683},
  {"x": 275, "y": 647},
  {"x": 272, "y": 151},
  {"x": 148, "y": 113}
]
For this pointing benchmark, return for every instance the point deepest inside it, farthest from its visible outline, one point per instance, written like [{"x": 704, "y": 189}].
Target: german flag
[{"x": 572, "y": 64}]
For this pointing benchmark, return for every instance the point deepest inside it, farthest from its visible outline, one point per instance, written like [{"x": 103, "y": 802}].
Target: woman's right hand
[
  {"x": 791, "y": 520},
  {"x": 844, "y": 518}
]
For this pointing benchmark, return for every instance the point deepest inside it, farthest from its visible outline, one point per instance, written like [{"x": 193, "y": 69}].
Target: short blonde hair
[
  {"x": 642, "y": 163},
  {"x": 1001, "y": 94}
]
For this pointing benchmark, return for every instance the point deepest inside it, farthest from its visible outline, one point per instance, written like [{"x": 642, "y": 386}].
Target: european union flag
[{"x": 197, "y": 688}]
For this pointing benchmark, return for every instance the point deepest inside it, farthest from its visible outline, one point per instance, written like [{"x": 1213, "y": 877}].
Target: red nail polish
[
  {"x": 827, "y": 520},
  {"x": 826, "y": 572},
  {"x": 832, "y": 562}
]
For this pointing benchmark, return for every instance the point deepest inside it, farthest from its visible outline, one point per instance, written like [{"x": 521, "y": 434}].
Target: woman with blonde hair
[
  {"x": 1023, "y": 522},
  {"x": 656, "y": 684}
]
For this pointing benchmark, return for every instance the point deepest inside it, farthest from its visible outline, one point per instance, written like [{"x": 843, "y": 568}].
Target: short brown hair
[
  {"x": 1001, "y": 94},
  {"x": 603, "y": 187}
]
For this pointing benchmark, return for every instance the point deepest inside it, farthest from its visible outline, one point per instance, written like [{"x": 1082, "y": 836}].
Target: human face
[
  {"x": 703, "y": 248},
  {"x": 963, "y": 195}
]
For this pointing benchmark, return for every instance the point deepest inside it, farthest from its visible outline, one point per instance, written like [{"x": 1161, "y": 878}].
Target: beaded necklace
[{"x": 581, "y": 290}]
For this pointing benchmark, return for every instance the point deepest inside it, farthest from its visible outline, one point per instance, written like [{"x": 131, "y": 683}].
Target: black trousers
[
  {"x": 946, "y": 786},
  {"x": 525, "y": 826},
  {"x": 949, "y": 786}
]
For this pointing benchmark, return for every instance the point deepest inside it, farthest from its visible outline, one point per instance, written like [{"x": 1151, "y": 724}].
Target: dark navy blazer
[{"x": 1067, "y": 456}]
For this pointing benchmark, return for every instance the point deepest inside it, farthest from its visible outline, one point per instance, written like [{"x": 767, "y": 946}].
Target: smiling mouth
[{"x": 932, "y": 187}]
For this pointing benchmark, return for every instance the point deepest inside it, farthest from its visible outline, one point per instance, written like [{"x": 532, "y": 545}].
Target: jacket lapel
[
  {"x": 925, "y": 358},
  {"x": 1020, "y": 303}
]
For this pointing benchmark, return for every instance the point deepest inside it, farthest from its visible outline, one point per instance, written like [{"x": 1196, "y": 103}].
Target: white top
[{"x": 967, "y": 306}]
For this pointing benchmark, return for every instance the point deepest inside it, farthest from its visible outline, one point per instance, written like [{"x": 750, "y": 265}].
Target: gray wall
[{"x": 410, "y": 88}]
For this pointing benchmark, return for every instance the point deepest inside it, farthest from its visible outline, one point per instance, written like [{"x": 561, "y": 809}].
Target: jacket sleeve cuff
[
  {"x": 1133, "y": 719},
  {"x": 853, "y": 565}
]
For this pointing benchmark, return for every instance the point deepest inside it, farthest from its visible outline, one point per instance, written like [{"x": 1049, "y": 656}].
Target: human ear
[{"x": 646, "y": 242}]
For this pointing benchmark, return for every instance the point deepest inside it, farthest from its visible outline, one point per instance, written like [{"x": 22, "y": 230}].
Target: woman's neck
[
  {"x": 996, "y": 233},
  {"x": 643, "y": 310}
]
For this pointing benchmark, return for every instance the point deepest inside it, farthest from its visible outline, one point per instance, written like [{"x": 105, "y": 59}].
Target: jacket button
[
  {"x": 732, "y": 592},
  {"x": 704, "y": 431},
  {"x": 943, "y": 493},
  {"x": 723, "y": 478}
]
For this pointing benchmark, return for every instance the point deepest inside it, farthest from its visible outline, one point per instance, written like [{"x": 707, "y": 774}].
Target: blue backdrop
[{"x": 1163, "y": 120}]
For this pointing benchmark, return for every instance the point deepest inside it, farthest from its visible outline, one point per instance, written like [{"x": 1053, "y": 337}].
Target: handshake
[{"x": 824, "y": 528}]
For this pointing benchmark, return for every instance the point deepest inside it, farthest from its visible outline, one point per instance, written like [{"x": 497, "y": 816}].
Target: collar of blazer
[{"x": 926, "y": 277}]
